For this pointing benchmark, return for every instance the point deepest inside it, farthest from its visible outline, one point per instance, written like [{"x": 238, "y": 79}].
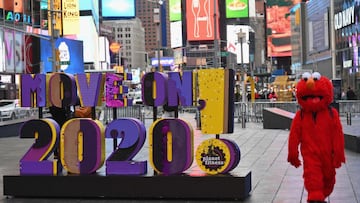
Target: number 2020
[{"x": 81, "y": 146}]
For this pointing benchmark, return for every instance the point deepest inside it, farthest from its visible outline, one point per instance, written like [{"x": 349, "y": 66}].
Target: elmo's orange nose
[{"x": 310, "y": 83}]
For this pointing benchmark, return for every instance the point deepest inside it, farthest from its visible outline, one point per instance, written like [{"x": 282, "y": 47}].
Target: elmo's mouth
[{"x": 312, "y": 98}]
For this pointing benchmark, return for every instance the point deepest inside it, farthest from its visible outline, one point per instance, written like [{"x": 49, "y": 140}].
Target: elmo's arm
[
  {"x": 338, "y": 141},
  {"x": 294, "y": 141}
]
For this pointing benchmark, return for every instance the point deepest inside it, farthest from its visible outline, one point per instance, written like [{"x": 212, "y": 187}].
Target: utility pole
[
  {"x": 332, "y": 42},
  {"x": 157, "y": 20},
  {"x": 52, "y": 38},
  {"x": 216, "y": 44},
  {"x": 160, "y": 37},
  {"x": 54, "y": 33},
  {"x": 241, "y": 35}
]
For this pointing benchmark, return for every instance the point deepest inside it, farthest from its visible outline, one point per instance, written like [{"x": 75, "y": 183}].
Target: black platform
[
  {"x": 275, "y": 118},
  {"x": 88, "y": 186},
  {"x": 9, "y": 128},
  {"x": 352, "y": 138}
]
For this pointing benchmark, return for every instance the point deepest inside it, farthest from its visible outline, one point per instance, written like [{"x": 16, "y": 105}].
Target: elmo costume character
[{"x": 316, "y": 127}]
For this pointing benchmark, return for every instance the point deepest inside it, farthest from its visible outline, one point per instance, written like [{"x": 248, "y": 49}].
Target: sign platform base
[{"x": 184, "y": 186}]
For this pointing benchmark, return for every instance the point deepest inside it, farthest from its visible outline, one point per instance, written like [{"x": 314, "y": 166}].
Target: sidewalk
[{"x": 263, "y": 152}]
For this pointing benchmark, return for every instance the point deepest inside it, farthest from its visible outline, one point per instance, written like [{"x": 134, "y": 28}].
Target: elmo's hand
[
  {"x": 337, "y": 161},
  {"x": 294, "y": 160}
]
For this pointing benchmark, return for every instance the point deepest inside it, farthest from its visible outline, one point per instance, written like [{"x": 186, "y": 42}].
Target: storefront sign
[
  {"x": 347, "y": 63},
  {"x": 344, "y": 18},
  {"x": 18, "y": 17}
]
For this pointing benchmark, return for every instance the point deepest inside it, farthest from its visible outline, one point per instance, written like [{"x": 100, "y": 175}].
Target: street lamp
[
  {"x": 157, "y": 20},
  {"x": 242, "y": 35}
]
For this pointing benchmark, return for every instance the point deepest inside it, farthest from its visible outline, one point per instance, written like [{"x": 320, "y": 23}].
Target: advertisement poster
[
  {"x": 70, "y": 17},
  {"x": 9, "y": 41},
  {"x": 118, "y": 9},
  {"x": 237, "y": 8},
  {"x": 200, "y": 20},
  {"x": 175, "y": 10},
  {"x": 70, "y": 55},
  {"x": 279, "y": 27}
]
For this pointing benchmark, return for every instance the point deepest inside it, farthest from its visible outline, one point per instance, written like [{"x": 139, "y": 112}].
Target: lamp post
[
  {"x": 157, "y": 20},
  {"x": 216, "y": 45},
  {"x": 241, "y": 35}
]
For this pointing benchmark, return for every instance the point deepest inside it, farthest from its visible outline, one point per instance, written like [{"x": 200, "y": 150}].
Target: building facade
[
  {"x": 130, "y": 34},
  {"x": 347, "y": 41},
  {"x": 145, "y": 11}
]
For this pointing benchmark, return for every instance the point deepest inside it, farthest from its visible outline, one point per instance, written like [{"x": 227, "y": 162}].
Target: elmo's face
[{"x": 314, "y": 92}]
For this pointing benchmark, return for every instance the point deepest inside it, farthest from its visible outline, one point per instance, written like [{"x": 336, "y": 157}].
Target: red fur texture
[{"x": 317, "y": 129}]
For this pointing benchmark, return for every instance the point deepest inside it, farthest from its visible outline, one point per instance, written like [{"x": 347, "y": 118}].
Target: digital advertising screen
[
  {"x": 1, "y": 9},
  {"x": 93, "y": 6},
  {"x": 175, "y": 10},
  {"x": 318, "y": 26},
  {"x": 118, "y": 9},
  {"x": 279, "y": 27},
  {"x": 234, "y": 45},
  {"x": 200, "y": 20},
  {"x": 237, "y": 8},
  {"x": 88, "y": 36},
  {"x": 70, "y": 55},
  {"x": 176, "y": 34}
]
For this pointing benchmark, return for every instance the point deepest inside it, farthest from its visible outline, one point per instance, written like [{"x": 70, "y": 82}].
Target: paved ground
[{"x": 263, "y": 152}]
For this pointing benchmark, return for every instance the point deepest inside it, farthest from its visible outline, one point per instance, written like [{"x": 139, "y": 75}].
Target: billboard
[
  {"x": 237, "y": 8},
  {"x": 234, "y": 44},
  {"x": 89, "y": 36},
  {"x": 175, "y": 10},
  {"x": 32, "y": 54},
  {"x": 57, "y": 17},
  {"x": 15, "y": 11},
  {"x": 2, "y": 51},
  {"x": 93, "y": 6},
  {"x": 8, "y": 10},
  {"x": 200, "y": 20},
  {"x": 71, "y": 55},
  {"x": 346, "y": 26},
  {"x": 168, "y": 62},
  {"x": 318, "y": 26},
  {"x": 118, "y": 9},
  {"x": 12, "y": 56},
  {"x": 1, "y": 9},
  {"x": 70, "y": 17},
  {"x": 176, "y": 34},
  {"x": 278, "y": 24}
]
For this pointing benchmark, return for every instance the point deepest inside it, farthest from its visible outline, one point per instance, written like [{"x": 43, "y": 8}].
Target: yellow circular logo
[{"x": 213, "y": 156}]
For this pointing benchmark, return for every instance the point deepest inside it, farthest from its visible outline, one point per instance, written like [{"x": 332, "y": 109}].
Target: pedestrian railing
[
  {"x": 243, "y": 111},
  {"x": 252, "y": 111},
  {"x": 107, "y": 114}
]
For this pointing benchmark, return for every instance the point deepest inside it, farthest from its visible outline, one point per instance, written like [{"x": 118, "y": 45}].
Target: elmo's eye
[
  {"x": 306, "y": 76},
  {"x": 316, "y": 76}
]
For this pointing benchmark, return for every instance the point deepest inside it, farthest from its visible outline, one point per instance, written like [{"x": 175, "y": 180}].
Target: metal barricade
[
  {"x": 253, "y": 111},
  {"x": 240, "y": 112},
  {"x": 135, "y": 111},
  {"x": 349, "y": 108}
]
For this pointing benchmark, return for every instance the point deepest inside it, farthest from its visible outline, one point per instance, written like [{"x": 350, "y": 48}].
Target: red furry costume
[{"x": 318, "y": 131}]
